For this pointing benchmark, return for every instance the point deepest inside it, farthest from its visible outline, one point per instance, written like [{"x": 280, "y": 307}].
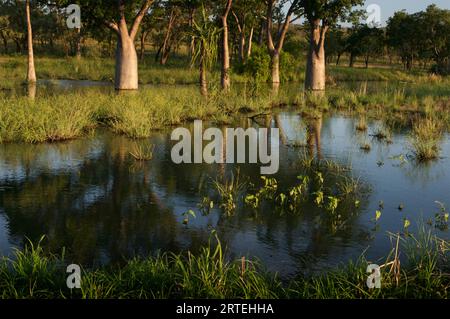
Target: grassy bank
[
  {"x": 137, "y": 114},
  {"x": 177, "y": 71},
  {"x": 423, "y": 274}
]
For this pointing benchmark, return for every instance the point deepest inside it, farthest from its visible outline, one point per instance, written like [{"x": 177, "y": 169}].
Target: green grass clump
[
  {"x": 55, "y": 118},
  {"x": 424, "y": 273},
  {"x": 425, "y": 139}
]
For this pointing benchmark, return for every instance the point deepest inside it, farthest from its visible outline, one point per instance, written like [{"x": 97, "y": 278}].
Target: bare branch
[{"x": 137, "y": 21}]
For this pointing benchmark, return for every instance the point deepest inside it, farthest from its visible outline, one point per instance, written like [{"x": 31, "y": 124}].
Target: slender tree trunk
[
  {"x": 126, "y": 62},
  {"x": 275, "y": 66},
  {"x": 31, "y": 76},
  {"x": 5, "y": 42},
  {"x": 338, "y": 59},
  {"x": 165, "y": 46},
  {"x": 315, "y": 67},
  {"x": 142, "y": 48},
  {"x": 352, "y": 60},
  {"x": 18, "y": 46},
  {"x": 203, "y": 79},
  {"x": 367, "y": 61},
  {"x": 242, "y": 47},
  {"x": 78, "y": 44},
  {"x": 225, "y": 75},
  {"x": 250, "y": 43},
  {"x": 261, "y": 32}
]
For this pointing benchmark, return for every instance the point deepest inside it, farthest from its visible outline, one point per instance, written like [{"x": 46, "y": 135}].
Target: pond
[{"x": 91, "y": 197}]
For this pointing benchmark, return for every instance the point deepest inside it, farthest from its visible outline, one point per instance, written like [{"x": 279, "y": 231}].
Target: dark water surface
[{"x": 92, "y": 197}]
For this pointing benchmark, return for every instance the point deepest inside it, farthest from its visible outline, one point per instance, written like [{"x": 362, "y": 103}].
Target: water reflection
[{"x": 93, "y": 198}]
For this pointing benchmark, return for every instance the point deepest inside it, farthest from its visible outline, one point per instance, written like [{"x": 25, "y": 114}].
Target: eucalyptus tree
[
  {"x": 402, "y": 32},
  {"x": 320, "y": 16},
  {"x": 206, "y": 35},
  {"x": 275, "y": 44},
  {"x": 31, "y": 72},
  {"x": 225, "y": 73}
]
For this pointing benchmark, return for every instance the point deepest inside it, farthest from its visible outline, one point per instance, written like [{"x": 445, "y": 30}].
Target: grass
[
  {"x": 425, "y": 139},
  {"x": 142, "y": 152},
  {"x": 45, "y": 120},
  {"x": 424, "y": 274}
]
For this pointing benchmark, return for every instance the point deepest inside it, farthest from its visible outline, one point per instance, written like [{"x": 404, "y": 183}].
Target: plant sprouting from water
[{"x": 229, "y": 191}]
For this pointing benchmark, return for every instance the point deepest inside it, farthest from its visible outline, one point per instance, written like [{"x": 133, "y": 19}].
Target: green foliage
[
  {"x": 257, "y": 66},
  {"x": 208, "y": 274}
]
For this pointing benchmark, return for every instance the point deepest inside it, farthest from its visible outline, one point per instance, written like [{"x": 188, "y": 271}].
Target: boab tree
[
  {"x": 320, "y": 15},
  {"x": 115, "y": 14}
]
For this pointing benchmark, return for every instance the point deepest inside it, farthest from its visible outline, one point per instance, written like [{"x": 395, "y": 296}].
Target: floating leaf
[{"x": 377, "y": 215}]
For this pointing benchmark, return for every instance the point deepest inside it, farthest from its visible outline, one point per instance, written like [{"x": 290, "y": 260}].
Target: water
[{"x": 91, "y": 197}]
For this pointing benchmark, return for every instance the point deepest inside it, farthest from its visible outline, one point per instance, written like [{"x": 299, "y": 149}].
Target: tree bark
[
  {"x": 78, "y": 44},
  {"x": 275, "y": 65},
  {"x": 203, "y": 78},
  {"x": 31, "y": 76},
  {"x": 126, "y": 73},
  {"x": 250, "y": 43},
  {"x": 315, "y": 67},
  {"x": 5, "y": 42},
  {"x": 166, "y": 47},
  {"x": 225, "y": 75},
  {"x": 275, "y": 48}
]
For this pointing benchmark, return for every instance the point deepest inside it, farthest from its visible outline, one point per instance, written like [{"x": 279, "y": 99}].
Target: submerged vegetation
[{"x": 424, "y": 273}]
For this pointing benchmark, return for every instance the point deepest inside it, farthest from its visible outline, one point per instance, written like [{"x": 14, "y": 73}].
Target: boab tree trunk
[
  {"x": 31, "y": 75},
  {"x": 225, "y": 75},
  {"x": 126, "y": 76},
  {"x": 315, "y": 67}
]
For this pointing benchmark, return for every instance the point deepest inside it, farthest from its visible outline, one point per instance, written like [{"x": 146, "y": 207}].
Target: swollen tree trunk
[
  {"x": 126, "y": 77},
  {"x": 31, "y": 76},
  {"x": 225, "y": 75},
  {"x": 315, "y": 67}
]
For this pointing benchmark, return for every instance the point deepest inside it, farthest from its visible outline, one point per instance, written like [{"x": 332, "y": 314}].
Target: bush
[{"x": 258, "y": 65}]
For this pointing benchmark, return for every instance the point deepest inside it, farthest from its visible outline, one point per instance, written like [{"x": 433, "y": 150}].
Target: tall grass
[
  {"x": 424, "y": 273},
  {"x": 425, "y": 139}
]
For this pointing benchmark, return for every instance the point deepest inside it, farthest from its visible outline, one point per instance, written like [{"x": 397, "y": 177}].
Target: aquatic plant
[
  {"x": 142, "y": 152},
  {"x": 229, "y": 191},
  {"x": 425, "y": 139}
]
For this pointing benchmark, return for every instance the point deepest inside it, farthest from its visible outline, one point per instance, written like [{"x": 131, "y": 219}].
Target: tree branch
[{"x": 137, "y": 21}]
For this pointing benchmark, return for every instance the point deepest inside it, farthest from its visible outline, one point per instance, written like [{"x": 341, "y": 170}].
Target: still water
[{"x": 91, "y": 197}]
